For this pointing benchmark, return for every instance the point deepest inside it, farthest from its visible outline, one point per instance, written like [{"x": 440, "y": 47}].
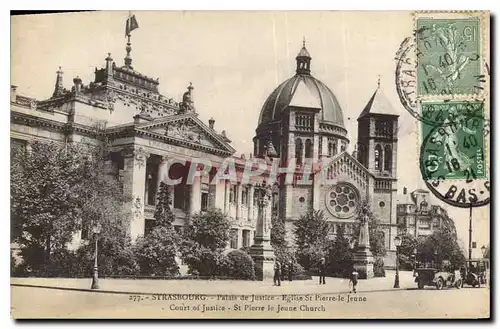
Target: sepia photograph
[{"x": 250, "y": 165}]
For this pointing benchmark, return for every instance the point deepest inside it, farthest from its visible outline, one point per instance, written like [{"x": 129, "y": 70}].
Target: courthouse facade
[{"x": 301, "y": 120}]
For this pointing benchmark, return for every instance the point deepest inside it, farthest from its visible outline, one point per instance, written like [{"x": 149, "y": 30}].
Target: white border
[{"x": 6, "y": 322}]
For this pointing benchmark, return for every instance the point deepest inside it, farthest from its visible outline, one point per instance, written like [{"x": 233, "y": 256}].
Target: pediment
[
  {"x": 345, "y": 165},
  {"x": 187, "y": 128}
]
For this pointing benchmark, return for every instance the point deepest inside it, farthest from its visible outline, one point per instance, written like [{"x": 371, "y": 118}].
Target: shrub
[
  {"x": 205, "y": 262},
  {"x": 240, "y": 266},
  {"x": 310, "y": 258},
  {"x": 209, "y": 229},
  {"x": 156, "y": 252},
  {"x": 284, "y": 255}
]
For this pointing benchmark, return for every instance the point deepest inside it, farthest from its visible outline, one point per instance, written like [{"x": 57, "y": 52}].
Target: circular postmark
[
  {"x": 408, "y": 77},
  {"x": 406, "y": 86},
  {"x": 453, "y": 164}
]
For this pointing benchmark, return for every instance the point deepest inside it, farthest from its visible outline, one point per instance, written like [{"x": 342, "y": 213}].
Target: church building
[{"x": 305, "y": 122}]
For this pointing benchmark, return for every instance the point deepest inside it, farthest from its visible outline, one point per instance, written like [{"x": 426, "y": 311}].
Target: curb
[{"x": 116, "y": 292}]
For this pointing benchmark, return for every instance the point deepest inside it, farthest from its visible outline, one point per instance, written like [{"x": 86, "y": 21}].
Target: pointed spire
[
  {"x": 58, "y": 88},
  {"x": 303, "y": 60},
  {"x": 378, "y": 104}
]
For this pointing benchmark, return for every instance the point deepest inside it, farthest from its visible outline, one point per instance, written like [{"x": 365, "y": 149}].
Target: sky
[{"x": 235, "y": 60}]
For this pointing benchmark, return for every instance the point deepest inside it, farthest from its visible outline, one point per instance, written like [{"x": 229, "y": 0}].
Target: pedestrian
[
  {"x": 353, "y": 279},
  {"x": 322, "y": 271},
  {"x": 290, "y": 270},
  {"x": 277, "y": 273}
]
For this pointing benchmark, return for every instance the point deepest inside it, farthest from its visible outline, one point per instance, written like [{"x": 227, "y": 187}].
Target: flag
[{"x": 131, "y": 25}]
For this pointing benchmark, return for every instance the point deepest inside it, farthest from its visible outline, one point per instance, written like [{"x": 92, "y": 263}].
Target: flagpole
[{"x": 131, "y": 24}]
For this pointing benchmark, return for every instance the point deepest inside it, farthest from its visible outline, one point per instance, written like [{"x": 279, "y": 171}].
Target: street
[{"x": 297, "y": 299}]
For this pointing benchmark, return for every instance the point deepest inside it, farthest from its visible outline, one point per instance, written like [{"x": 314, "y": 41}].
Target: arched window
[
  {"x": 378, "y": 155},
  {"x": 298, "y": 151},
  {"x": 334, "y": 146},
  {"x": 387, "y": 158},
  {"x": 330, "y": 149},
  {"x": 309, "y": 149}
]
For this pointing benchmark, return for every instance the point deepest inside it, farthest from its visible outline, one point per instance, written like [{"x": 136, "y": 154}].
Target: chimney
[
  {"x": 13, "y": 93},
  {"x": 211, "y": 123},
  {"x": 109, "y": 66},
  {"x": 405, "y": 190}
]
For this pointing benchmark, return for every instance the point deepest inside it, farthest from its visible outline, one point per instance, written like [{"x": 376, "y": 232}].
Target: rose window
[{"x": 342, "y": 200}]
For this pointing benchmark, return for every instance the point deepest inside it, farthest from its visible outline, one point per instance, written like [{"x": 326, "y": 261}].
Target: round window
[
  {"x": 342, "y": 200},
  {"x": 302, "y": 199},
  {"x": 381, "y": 204}
]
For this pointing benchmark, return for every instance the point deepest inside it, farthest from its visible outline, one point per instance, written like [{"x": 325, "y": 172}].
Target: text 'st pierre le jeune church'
[{"x": 300, "y": 120}]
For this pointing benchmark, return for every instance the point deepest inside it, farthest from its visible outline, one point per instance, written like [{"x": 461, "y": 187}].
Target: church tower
[{"x": 377, "y": 151}]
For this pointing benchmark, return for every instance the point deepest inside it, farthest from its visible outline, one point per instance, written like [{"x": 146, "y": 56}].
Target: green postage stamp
[
  {"x": 455, "y": 149},
  {"x": 449, "y": 56}
]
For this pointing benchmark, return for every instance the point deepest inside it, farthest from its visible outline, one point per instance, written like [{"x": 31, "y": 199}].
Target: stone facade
[
  {"x": 418, "y": 217},
  {"x": 147, "y": 130}
]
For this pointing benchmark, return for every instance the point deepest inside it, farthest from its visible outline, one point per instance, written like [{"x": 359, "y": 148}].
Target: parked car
[
  {"x": 439, "y": 279},
  {"x": 476, "y": 272}
]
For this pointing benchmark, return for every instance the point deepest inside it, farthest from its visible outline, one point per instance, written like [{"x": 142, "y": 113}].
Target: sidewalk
[{"x": 223, "y": 287}]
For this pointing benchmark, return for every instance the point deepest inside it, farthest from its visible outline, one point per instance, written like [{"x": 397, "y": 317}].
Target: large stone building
[
  {"x": 419, "y": 217},
  {"x": 300, "y": 120}
]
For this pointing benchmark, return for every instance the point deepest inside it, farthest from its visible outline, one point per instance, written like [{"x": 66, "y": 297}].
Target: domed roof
[{"x": 302, "y": 90}]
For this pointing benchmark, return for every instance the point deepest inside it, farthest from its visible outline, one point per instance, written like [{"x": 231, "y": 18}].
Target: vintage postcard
[{"x": 260, "y": 164}]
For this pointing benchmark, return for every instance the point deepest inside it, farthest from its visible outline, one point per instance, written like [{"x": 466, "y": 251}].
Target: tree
[
  {"x": 311, "y": 238},
  {"x": 406, "y": 251},
  {"x": 204, "y": 242},
  {"x": 311, "y": 230},
  {"x": 156, "y": 251},
  {"x": 164, "y": 216},
  {"x": 58, "y": 189},
  {"x": 441, "y": 246},
  {"x": 278, "y": 232},
  {"x": 340, "y": 257}
]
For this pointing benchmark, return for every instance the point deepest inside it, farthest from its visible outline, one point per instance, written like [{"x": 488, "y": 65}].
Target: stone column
[
  {"x": 240, "y": 238},
  {"x": 220, "y": 194},
  {"x": 212, "y": 190},
  {"x": 239, "y": 188},
  {"x": 316, "y": 204},
  {"x": 250, "y": 202},
  {"x": 134, "y": 183},
  {"x": 261, "y": 251},
  {"x": 227, "y": 187},
  {"x": 363, "y": 259},
  {"x": 195, "y": 196}
]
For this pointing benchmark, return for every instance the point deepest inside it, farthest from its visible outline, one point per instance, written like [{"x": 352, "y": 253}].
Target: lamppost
[
  {"x": 397, "y": 243},
  {"x": 414, "y": 258},
  {"x": 95, "y": 277}
]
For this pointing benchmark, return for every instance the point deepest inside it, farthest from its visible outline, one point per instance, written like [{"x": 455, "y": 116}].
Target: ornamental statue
[{"x": 187, "y": 104}]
